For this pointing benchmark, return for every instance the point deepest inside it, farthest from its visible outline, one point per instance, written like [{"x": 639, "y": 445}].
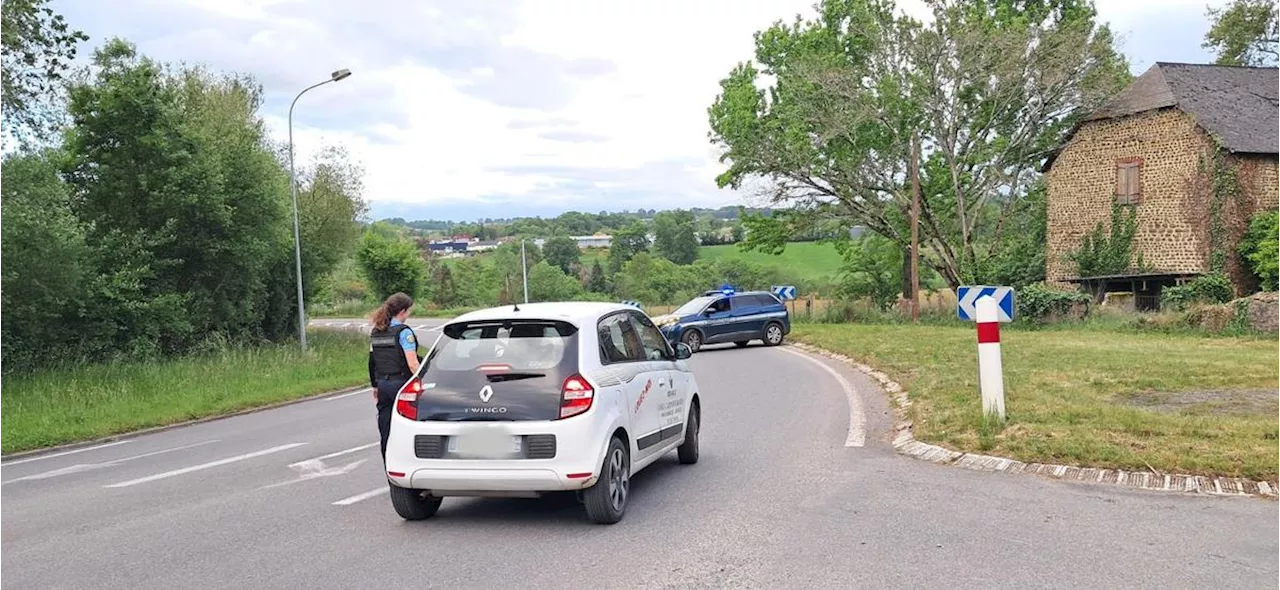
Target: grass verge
[
  {"x": 91, "y": 401},
  {"x": 1171, "y": 402}
]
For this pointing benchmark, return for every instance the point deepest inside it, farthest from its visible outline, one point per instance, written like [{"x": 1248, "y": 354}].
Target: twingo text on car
[
  {"x": 544, "y": 397},
  {"x": 727, "y": 316}
]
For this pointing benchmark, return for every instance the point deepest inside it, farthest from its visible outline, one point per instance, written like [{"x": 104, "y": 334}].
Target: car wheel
[
  {"x": 692, "y": 339},
  {"x": 607, "y": 500},
  {"x": 741, "y": 343},
  {"x": 413, "y": 504},
  {"x": 688, "y": 450},
  {"x": 773, "y": 334}
]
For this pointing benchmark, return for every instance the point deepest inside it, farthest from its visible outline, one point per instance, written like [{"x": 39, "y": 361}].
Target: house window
[{"x": 1129, "y": 181}]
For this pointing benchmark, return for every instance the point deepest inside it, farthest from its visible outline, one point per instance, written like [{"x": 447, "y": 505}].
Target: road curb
[
  {"x": 155, "y": 429},
  {"x": 905, "y": 443}
]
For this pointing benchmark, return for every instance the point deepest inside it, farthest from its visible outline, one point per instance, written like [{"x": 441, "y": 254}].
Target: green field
[
  {"x": 809, "y": 260},
  {"x": 90, "y": 401},
  {"x": 1169, "y": 402}
]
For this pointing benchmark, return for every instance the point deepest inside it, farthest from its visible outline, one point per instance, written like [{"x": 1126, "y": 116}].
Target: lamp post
[{"x": 293, "y": 187}]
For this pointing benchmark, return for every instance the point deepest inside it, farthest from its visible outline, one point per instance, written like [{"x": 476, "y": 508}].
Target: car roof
[
  {"x": 735, "y": 294},
  {"x": 578, "y": 313}
]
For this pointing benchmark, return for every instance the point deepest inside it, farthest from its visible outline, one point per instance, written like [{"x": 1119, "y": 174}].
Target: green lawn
[
  {"x": 1176, "y": 403},
  {"x": 92, "y": 401},
  {"x": 808, "y": 260}
]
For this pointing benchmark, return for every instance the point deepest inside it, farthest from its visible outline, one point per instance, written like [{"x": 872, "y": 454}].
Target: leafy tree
[
  {"x": 474, "y": 282},
  {"x": 1244, "y": 33},
  {"x": 1260, "y": 248},
  {"x": 444, "y": 291},
  {"x": 176, "y": 164},
  {"x": 674, "y": 236},
  {"x": 872, "y": 269},
  {"x": 626, "y": 243},
  {"x": 330, "y": 205},
  {"x": 38, "y": 46},
  {"x": 390, "y": 264},
  {"x": 45, "y": 262},
  {"x": 506, "y": 272},
  {"x": 990, "y": 88},
  {"x": 654, "y": 280},
  {"x": 597, "y": 282},
  {"x": 562, "y": 251},
  {"x": 549, "y": 283}
]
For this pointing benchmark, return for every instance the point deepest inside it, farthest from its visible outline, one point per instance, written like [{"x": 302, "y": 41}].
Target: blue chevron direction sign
[
  {"x": 968, "y": 296},
  {"x": 784, "y": 292}
]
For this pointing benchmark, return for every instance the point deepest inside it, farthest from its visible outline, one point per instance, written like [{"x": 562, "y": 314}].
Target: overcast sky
[{"x": 460, "y": 109}]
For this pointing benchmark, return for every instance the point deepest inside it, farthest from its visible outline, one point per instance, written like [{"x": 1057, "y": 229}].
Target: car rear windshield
[{"x": 504, "y": 345}]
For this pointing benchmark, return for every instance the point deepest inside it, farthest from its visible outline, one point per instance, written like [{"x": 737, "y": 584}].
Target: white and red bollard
[{"x": 990, "y": 370}]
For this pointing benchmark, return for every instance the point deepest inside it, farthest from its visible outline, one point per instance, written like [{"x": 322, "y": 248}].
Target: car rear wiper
[{"x": 495, "y": 378}]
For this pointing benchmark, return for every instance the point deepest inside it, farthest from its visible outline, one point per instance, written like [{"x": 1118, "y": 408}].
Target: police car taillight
[
  {"x": 407, "y": 399},
  {"x": 575, "y": 396}
]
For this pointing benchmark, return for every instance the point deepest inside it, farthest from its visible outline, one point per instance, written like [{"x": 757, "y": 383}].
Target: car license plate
[{"x": 488, "y": 445}]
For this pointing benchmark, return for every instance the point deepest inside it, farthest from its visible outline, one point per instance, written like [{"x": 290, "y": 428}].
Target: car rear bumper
[{"x": 580, "y": 443}]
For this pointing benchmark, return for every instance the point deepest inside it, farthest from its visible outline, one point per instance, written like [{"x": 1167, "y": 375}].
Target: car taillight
[
  {"x": 407, "y": 399},
  {"x": 575, "y": 396}
]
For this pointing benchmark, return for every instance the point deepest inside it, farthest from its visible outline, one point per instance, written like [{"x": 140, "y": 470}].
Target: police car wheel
[
  {"x": 687, "y": 452},
  {"x": 413, "y": 504},
  {"x": 692, "y": 339},
  {"x": 606, "y": 501},
  {"x": 773, "y": 334}
]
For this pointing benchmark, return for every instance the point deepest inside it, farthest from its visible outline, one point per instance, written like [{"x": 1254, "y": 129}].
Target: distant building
[
  {"x": 1151, "y": 149},
  {"x": 593, "y": 241}
]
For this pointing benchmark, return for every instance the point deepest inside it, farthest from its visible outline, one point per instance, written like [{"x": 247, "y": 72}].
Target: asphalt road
[{"x": 294, "y": 498}]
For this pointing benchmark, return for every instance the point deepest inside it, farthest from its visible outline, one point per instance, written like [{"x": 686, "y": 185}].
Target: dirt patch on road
[{"x": 1217, "y": 403}]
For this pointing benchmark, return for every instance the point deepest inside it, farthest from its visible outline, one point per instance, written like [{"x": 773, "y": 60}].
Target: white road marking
[
  {"x": 857, "y": 419},
  {"x": 65, "y": 453},
  {"x": 361, "y": 497},
  {"x": 348, "y": 324},
  {"x": 81, "y": 467},
  {"x": 193, "y": 468},
  {"x": 348, "y": 394},
  {"x": 337, "y": 454}
]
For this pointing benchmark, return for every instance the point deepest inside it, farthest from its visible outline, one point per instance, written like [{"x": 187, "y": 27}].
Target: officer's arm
[
  {"x": 373, "y": 379},
  {"x": 409, "y": 344}
]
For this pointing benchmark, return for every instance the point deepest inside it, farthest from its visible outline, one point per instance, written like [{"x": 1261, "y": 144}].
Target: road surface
[{"x": 294, "y": 498}]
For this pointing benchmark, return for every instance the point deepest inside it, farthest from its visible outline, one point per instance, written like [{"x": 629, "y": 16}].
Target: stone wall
[
  {"x": 1258, "y": 179},
  {"x": 1082, "y": 184}
]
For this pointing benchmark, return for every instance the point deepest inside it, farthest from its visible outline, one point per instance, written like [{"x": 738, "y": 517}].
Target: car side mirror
[{"x": 683, "y": 351}]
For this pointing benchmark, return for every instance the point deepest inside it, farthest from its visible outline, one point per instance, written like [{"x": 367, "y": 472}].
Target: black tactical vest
[{"x": 388, "y": 357}]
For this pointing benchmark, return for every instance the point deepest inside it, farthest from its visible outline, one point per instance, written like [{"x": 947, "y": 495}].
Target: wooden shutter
[{"x": 1128, "y": 181}]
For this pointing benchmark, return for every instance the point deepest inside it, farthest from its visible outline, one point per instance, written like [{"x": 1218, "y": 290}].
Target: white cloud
[{"x": 544, "y": 104}]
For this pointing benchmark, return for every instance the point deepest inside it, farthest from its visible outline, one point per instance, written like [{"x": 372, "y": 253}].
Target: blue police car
[{"x": 725, "y": 315}]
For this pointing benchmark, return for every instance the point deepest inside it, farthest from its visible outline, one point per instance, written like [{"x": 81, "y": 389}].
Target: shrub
[
  {"x": 1038, "y": 302},
  {"x": 1260, "y": 249},
  {"x": 1210, "y": 288}
]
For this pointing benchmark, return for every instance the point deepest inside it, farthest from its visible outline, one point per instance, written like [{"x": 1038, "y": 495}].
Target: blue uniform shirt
[{"x": 408, "y": 341}]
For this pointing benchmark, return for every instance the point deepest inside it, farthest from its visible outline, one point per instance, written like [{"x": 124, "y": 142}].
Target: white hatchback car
[{"x": 544, "y": 397}]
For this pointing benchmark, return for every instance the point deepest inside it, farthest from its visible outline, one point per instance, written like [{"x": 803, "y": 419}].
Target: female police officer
[{"x": 393, "y": 357}]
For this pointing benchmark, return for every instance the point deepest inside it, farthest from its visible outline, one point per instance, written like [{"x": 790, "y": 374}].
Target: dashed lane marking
[
  {"x": 857, "y": 436},
  {"x": 81, "y": 467},
  {"x": 337, "y": 454},
  {"x": 202, "y": 466},
  {"x": 65, "y": 453},
  {"x": 348, "y": 394},
  {"x": 361, "y": 497}
]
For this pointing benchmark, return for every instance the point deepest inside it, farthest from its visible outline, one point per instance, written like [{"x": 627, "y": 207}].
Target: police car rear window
[{"x": 515, "y": 345}]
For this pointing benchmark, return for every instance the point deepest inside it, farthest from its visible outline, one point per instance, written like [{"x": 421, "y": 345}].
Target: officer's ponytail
[{"x": 389, "y": 309}]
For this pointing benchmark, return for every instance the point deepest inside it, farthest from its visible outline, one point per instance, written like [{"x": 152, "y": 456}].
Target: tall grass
[{"x": 89, "y": 401}]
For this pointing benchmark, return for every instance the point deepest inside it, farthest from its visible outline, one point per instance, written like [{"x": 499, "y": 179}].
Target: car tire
[
  {"x": 687, "y": 452},
  {"x": 413, "y": 504},
  {"x": 606, "y": 501},
  {"x": 773, "y": 334},
  {"x": 741, "y": 343},
  {"x": 692, "y": 339}
]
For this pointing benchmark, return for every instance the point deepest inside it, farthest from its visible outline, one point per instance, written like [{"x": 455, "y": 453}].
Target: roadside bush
[
  {"x": 1038, "y": 302},
  {"x": 1210, "y": 288},
  {"x": 391, "y": 264},
  {"x": 1260, "y": 249}
]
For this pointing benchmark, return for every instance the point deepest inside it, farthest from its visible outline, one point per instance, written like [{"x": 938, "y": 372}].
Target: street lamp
[{"x": 293, "y": 186}]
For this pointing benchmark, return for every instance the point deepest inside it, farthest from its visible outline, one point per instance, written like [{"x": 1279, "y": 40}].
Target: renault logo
[{"x": 486, "y": 393}]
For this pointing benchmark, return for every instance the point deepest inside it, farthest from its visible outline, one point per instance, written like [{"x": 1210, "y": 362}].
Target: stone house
[{"x": 1167, "y": 147}]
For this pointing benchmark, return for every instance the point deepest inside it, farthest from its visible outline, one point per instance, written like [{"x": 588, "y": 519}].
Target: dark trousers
[{"x": 387, "y": 389}]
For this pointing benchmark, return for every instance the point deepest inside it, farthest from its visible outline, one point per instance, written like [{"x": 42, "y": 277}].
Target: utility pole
[
  {"x": 524, "y": 270},
  {"x": 915, "y": 227}
]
